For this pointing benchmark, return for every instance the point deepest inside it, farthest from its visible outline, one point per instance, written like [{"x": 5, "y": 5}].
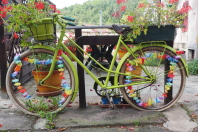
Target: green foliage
[
  {"x": 22, "y": 15},
  {"x": 155, "y": 13},
  {"x": 88, "y": 12},
  {"x": 50, "y": 117},
  {"x": 154, "y": 62},
  {"x": 41, "y": 104},
  {"x": 193, "y": 67}
]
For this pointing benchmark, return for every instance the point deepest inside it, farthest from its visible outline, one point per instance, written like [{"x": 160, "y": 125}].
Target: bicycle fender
[
  {"x": 69, "y": 62},
  {"x": 138, "y": 47}
]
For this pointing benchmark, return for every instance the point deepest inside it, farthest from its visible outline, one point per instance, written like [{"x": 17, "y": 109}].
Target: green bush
[
  {"x": 154, "y": 62},
  {"x": 193, "y": 67}
]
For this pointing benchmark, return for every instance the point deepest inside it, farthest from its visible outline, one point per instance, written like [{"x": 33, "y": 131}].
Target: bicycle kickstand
[{"x": 111, "y": 104}]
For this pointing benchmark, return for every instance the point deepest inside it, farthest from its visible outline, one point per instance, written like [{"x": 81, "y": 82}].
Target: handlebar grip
[
  {"x": 68, "y": 18},
  {"x": 71, "y": 24}
]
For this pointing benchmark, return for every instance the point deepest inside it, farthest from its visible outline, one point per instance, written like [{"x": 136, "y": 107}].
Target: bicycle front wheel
[
  {"x": 23, "y": 88},
  {"x": 166, "y": 72}
]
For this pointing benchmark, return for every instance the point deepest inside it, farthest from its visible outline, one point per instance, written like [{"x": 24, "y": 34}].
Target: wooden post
[
  {"x": 82, "y": 94},
  {"x": 3, "y": 64}
]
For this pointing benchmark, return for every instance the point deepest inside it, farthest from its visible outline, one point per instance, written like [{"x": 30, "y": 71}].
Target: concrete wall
[{"x": 188, "y": 41}]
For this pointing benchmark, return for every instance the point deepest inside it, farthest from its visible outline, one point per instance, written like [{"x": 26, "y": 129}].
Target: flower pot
[
  {"x": 117, "y": 100},
  {"x": 105, "y": 101},
  {"x": 137, "y": 71},
  {"x": 164, "y": 33},
  {"x": 121, "y": 53},
  {"x": 53, "y": 80},
  {"x": 43, "y": 31}
]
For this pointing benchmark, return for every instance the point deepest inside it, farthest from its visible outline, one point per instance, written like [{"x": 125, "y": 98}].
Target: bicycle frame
[{"x": 109, "y": 71}]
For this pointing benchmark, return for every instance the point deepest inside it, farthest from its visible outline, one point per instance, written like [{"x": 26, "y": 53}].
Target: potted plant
[
  {"x": 122, "y": 51},
  {"x": 150, "y": 19},
  {"x": 104, "y": 99},
  {"x": 30, "y": 18},
  {"x": 42, "y": 66},
  {"x": 116, "y": 96}
]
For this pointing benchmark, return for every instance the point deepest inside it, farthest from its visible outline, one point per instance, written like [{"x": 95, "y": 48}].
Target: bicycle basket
[
  {"x": 164, "y": 33},
  {"x": 44, "y": 31}
]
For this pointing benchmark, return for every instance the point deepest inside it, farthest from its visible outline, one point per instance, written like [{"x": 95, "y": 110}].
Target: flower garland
[
  {"x": 131, "y": 66},
  {"x": 65, "y": 86}
]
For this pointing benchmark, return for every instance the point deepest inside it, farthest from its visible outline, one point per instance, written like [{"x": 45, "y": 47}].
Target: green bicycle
[{"x": 158, "y": 86}]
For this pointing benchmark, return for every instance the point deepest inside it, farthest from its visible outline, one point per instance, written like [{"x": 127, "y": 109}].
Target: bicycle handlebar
[
  {"x": 63, "y": 19},
  {"x": 71, "y": 24},
  {"x": 68, "y": 18}
]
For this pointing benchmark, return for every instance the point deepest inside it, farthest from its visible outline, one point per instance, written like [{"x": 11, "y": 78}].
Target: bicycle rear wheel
[
  {"x": 168, "y": 79},
  {"x": 22, "y": 82}
]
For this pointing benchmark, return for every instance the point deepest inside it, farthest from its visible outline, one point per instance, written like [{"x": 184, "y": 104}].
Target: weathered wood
[
  {"x": 82, "y": 94},
  {"x": 3, "y": 63}
]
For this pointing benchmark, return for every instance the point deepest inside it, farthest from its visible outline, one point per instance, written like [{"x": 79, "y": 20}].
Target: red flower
[
  {"x": 16, "y": 35},
  {"x": 53, "y": 7},
  {"x": 130, "y": 18},
  {"x": 57, "y": 11},
  {"x": 7, "y": 8},
  {"x": 123, "y": 8},
  {"x": 39, "y": 5}
]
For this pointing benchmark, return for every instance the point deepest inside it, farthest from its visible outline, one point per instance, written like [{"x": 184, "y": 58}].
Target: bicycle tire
[
  {"x": 31, "y": 100},
  {"x": 166, "y": 88}
]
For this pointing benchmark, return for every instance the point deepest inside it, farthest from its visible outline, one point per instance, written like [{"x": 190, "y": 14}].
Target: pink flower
[
  {"x": 120, "y": 1},
  {"x": 116, "y": 14}
]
